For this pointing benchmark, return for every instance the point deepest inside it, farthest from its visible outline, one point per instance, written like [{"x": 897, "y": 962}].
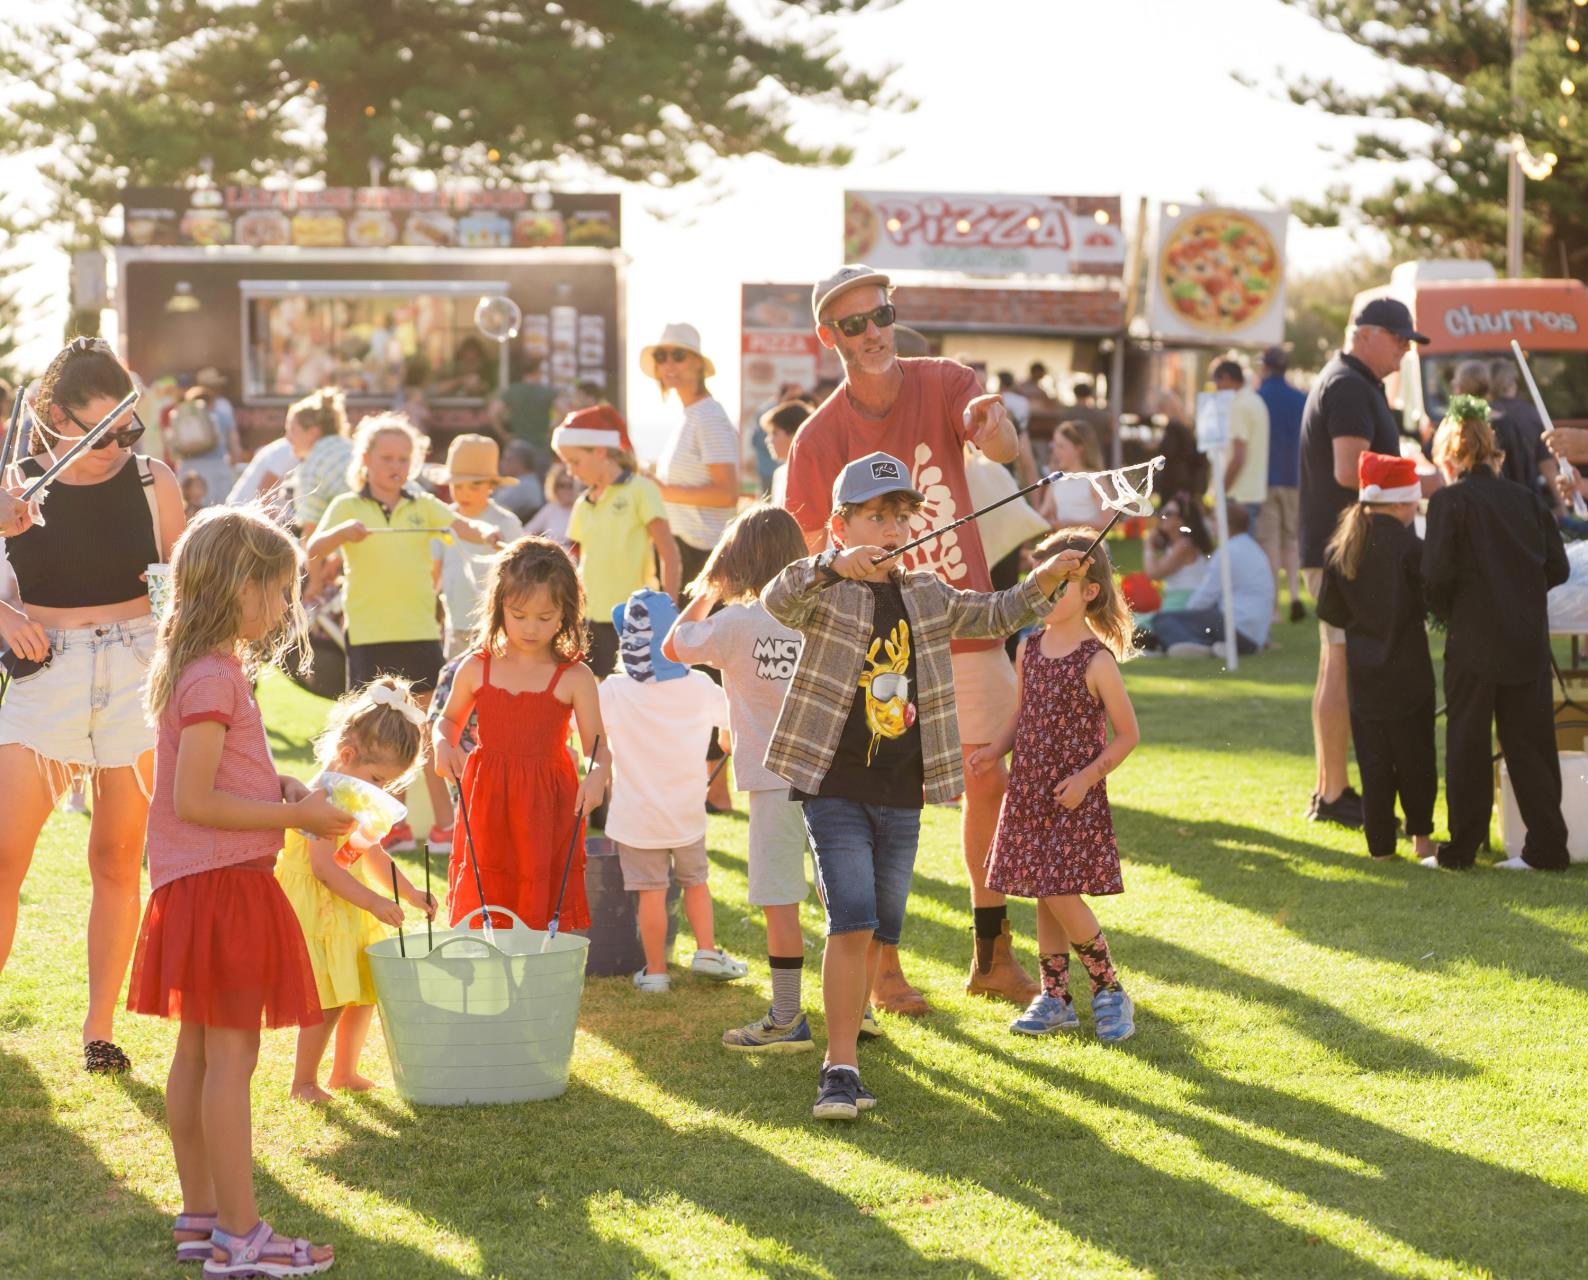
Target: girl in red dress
[
  {"x": 519, "y": 787},
  {"x": 1055, "y": 837},
  {"x": 220, "y": 947}
]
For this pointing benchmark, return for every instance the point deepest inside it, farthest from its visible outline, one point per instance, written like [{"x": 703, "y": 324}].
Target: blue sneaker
[
  {"x": 766, "y": 1036},
  {"x": 1044, "y": 1015},
  {"x": 864, "y": 1098},
  {"x": 1115, "y": 1015},
  {"x": 837, "y": 1095}
]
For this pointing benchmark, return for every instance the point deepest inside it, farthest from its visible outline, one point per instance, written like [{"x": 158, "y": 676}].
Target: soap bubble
[{"x": 498, "y": 317}]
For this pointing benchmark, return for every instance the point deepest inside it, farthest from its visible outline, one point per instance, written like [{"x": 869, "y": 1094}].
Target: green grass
[{"x": 1340, "y": 1069}]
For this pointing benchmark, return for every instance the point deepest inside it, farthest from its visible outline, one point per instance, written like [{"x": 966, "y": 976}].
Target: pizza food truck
[
  {"x": 1469, "y": 314},
  {"x": 372, "y": 290}
]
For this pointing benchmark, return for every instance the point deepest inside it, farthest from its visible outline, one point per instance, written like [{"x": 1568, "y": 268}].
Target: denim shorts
[
  {"x": 86, "y": 707},
  {"x": 864, "y": 856}
]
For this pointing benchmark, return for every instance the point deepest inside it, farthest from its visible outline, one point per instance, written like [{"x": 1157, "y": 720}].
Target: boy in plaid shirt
[{"x": 868, "y": 733}]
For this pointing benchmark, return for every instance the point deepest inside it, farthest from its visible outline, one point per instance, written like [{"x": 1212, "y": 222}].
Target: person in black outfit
[
  {"x": 1491, "y": 556},
  {"x": 1372, "y": 589}
]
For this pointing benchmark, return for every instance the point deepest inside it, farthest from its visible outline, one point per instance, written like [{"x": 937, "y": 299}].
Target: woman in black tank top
[{"x": 82, "y": 608}]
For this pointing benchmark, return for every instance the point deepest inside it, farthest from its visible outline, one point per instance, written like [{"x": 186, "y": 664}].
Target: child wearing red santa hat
[
  {"x": 615, "y": 523},
  {"x": 1372, "y": 589}
]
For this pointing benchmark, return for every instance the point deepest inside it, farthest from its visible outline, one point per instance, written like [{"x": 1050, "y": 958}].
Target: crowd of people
[{"x": 850, "y": 683}]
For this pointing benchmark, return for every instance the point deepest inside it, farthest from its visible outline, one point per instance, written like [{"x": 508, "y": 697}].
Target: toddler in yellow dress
[{"x": 340, "y": 889}]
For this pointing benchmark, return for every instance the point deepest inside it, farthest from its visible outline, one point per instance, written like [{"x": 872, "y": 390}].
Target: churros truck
[{"x": 370, "y": 289}]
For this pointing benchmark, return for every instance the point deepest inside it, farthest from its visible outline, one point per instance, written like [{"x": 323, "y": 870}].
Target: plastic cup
[{"x": 159, "y": 580}]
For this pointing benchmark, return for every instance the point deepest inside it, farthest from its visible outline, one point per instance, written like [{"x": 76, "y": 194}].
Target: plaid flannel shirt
[{"x": 835, "y": 619}]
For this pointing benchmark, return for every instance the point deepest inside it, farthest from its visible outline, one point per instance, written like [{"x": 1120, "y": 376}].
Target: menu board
[
  {"x": 778, "y": 345},
  {"x": 368, "y": 218}
]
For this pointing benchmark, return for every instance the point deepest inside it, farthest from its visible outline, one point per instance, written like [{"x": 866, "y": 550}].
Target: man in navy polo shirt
[{"x": 1277, "y": 527}]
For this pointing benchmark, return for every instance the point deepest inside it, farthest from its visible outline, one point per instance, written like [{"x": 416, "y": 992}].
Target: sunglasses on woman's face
[
  {"x": 665, "y": 355},
  {"x": 854, "y": 326},
  {"x": 126, "y": 437}
]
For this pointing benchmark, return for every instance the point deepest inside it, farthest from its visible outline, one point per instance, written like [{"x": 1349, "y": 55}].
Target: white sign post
[{"x": 1213, "y": 439}]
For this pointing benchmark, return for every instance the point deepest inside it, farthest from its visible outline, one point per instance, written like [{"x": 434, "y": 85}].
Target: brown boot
[
  {"x": 893, "y": 991},
  {"x": 995, "y": 972}
]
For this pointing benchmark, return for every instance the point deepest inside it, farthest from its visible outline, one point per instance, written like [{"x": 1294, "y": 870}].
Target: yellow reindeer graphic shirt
[{"x": 879, "y": 755}]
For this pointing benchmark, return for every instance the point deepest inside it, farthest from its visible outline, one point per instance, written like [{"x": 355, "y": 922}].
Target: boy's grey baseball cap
[{"x": 871, "y": 477}]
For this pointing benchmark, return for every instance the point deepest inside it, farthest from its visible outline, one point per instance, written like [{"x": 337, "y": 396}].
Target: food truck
[
  {"x": 1469, "y": 314},
  {"x": 372, "y": 290}
]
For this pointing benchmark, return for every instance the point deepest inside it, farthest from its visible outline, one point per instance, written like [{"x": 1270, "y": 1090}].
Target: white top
[
  {"x": 466, "y": 565},
  {"x": 779, "y": 494},
  {"x": 1188, "y": 577},
  {"x": 706, "y": 436},
  {"x": 551, "y": 521},
  {"x": 1251, "y": 585},
  {"x": 654, "y": 728},
  {"x": 275, "y": 459},
  {"x": 1074, "y": 501}
]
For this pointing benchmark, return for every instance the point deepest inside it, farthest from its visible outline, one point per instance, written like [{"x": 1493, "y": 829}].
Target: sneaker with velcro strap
[{"x": 767, "y": 1036}]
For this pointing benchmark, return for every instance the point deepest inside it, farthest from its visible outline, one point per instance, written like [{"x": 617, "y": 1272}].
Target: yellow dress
[{"x": 335, "y": 930}]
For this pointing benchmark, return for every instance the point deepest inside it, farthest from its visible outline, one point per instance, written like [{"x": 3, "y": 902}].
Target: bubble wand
[
  {"x": 85, "y": 442},
  {"x": 430, "y": 942},
  {"x": 396, "y": 897},
  {"x": 474, "y": 862},
  {"x": 1579, "y": 508},
  {"x": 578, "y": 820},
  {"x": 13, "y": 437}
]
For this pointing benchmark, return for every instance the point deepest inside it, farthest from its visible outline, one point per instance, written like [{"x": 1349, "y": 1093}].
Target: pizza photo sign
[{"x": 1218, "y": 275}]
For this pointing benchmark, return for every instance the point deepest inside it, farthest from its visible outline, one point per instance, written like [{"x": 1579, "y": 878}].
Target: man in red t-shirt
[{"x": 924, "y": 412}]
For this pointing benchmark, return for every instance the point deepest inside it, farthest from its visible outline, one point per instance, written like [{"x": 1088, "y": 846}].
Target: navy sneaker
[
  {"x": 766, "y": 1036},
  {"x": 1044, "y": 1015},
  {"x": 837, "y": 1095},
  {"x": 864, "y": 1098},
  {"x": 1115, "y": 1015}
]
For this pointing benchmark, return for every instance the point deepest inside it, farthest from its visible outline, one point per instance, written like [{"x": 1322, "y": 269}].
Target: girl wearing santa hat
[
  {"x": 1372, "y": 589},
  {"x": 615, "y": 525}
]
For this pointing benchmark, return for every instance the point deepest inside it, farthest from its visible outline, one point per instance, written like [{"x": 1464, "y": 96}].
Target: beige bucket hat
[
  {"x": 683, "y": 336},
  {"x": 472, "y": 458}
]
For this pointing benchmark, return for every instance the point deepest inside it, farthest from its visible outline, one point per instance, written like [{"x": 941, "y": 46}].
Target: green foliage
[
  {"x": 145, "y": 92},
  {"x": 1449, "y": 65}
]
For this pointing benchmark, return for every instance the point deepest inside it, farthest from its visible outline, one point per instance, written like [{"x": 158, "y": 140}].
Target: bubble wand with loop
[
  {"x": 83, "y": 443},
  {"x": 1579, "y": 508}
]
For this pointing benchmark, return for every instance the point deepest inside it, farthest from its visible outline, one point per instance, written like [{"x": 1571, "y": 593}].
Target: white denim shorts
[
  {"x": 777, "y": 849},
  {"x": 86, "y": 708}
]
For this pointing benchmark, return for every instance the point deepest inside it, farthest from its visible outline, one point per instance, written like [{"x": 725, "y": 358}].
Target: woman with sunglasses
[{"x": 80, "y": 635}]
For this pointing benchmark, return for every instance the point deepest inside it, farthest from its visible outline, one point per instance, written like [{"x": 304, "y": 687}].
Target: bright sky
[{"x": 1044, "y": 96}]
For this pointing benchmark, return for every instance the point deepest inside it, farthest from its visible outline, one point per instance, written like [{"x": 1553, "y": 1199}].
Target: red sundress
[
  {"x": 1041, "y": 849},
  {"x": 522, "y": 791}
]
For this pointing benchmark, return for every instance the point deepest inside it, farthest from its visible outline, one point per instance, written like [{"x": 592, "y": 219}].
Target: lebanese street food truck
[{"x": 372, "y": 290}]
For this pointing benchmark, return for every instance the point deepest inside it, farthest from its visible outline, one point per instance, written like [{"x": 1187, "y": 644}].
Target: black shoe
[
  {"x": 1344, "y": 810},
  {"x": 1311, "y": 814},
  {"x": 1298, "y": 611},
  {"x": 837, "y": 1096}
]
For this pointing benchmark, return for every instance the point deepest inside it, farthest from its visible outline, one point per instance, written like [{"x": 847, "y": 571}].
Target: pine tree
[
  {"x": 147, "y": 92},
  {"x": 1451, "y": 70}
]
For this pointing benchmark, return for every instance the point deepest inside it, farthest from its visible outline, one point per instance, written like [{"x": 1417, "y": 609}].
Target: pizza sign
[
  {"x": 1219, "y": 275},
  {"x": 990, "y": 235}
]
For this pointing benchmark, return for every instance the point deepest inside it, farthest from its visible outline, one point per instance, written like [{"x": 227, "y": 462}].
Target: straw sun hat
[
  {"x": 682, "y": 336},
  {"x": 471, "y": 458}
]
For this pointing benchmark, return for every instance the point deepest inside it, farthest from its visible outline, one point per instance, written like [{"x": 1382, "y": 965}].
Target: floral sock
[
  {"x": 1099, "y": 964},
  {"x": 1056, "y": 975}
]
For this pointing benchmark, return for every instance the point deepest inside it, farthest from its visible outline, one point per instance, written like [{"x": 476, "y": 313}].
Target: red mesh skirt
[{"x": 224, "y": 949}]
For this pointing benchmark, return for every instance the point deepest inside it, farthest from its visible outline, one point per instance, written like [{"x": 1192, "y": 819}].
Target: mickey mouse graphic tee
[{"x": 878, "y": 760}]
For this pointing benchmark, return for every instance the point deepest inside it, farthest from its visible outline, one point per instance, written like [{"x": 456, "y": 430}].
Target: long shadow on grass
[
  {"x": 1391, "y": 911},
  {"x": 524, "y": 1183},
  {"x": 1413, "y": 1191},
  {"x": 355, "y": 1253}
]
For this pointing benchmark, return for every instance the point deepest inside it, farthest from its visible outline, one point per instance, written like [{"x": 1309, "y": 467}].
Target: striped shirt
[
  {"x": 320, "y": 477},
  {"x": 707, "y": 436}
]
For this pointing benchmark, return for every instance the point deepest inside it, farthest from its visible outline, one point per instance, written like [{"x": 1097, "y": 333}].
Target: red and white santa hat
[
  {"x": 1381, "y": 477},
  {"x": 598, "y": 427}
]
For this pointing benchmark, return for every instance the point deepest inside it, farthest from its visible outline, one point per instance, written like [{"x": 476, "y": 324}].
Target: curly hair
[
  {"x": 324, "y": 411},
  {"x": 520, "y": 567}
]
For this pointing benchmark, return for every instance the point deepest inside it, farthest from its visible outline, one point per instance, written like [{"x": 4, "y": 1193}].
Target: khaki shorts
[
  {"x": 1314, "y": 580},
  {"x": 777, "y": 849},
  {"x": 647, "y": 868},
  {"x": 984, "y": 694},
  {"x": 1279, "y": 522}
]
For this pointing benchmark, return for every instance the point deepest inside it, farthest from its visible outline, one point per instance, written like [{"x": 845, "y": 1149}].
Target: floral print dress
[{"x": 1041, "y": 849}]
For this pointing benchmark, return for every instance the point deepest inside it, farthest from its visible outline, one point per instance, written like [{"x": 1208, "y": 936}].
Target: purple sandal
[
  {"x": 263, "y": 1253},
  {"x": 194, "y": 1250}
]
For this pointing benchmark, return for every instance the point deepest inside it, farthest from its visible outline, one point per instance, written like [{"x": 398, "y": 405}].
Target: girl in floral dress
[{"x": 1055, "y": 837}]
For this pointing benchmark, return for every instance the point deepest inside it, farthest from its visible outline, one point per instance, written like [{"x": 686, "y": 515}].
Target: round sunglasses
[{"x": 854, "y": 326}]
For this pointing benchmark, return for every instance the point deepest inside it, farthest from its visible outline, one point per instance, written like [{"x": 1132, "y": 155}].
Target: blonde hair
[
  {"x": 759, "y": 544},
  {"x": 372, "y": 429},
  {"x": 325, "y": 410},
  {"x": 1107, "y": 614},
  {"x": 520, "y": 567},
  {"x": 1348, "y": 543},
  {"x": 1081, "y": 435},
  {"x": 220, "y": 552},
  {"x": 374, "y": 730},
  {"x": 1465, "y": 443}
]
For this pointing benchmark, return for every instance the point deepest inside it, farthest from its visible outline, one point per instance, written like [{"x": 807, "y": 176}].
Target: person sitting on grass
[
  {"x": 868, "y": 734},
  {"x": 1197, "y": 631},
  {"x": 652, "y": 708}
]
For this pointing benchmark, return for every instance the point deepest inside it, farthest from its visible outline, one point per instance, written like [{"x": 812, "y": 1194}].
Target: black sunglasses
[
  {"x": 126, "y": 437},
  {"x": 854, "y": 326},
  {"x": 663, "y": 355}
]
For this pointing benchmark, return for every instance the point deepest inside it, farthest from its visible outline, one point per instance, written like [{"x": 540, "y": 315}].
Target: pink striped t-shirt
[{"x": 213, "y": 688}]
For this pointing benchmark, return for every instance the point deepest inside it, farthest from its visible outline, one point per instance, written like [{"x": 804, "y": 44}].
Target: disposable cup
[{"x": 159, "y": 580}]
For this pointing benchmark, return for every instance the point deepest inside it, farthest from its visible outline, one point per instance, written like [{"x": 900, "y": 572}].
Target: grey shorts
[
  {"x": 777, "y": 850},
  {"x": 647, "y": 868}
]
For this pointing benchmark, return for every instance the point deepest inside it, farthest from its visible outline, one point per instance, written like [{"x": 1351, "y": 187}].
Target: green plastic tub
[{"x": 473, "y": 1021}]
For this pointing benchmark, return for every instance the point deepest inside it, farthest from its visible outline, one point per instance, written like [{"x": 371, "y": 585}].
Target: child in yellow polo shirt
[
  {"x": 382, "y": 528},
  {"x": 615, "y": 524}
]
